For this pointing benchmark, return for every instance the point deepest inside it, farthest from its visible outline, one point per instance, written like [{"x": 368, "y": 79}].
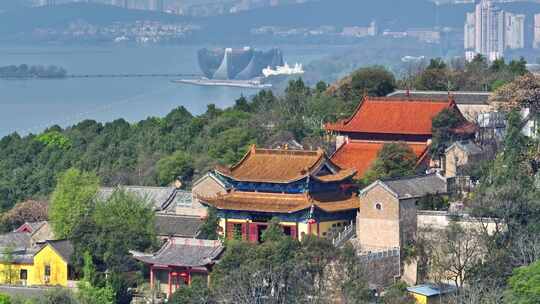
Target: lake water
[{"x": 29, "y": 106}]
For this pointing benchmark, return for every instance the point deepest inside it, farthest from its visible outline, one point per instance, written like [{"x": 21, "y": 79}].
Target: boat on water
[
  {"x": 249, "y": 84},
  {"x": 287, "y": 70}
]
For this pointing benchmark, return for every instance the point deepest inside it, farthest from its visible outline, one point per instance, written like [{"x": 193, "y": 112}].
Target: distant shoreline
[
  {"x": 24, "y": 71},
  {"x": 248, "y": 84}
]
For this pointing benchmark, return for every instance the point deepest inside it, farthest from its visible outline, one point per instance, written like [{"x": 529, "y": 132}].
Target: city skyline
[{"x": 489, "y": 31}]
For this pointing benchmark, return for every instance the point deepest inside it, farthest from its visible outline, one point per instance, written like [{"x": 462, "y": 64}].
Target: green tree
[
  {"x": 124, "y": 222},
  {"x": 208, "y": 230},
  {"x": 433, "y": 202},
  {"x": 5, "y": 299},
  {"x": 242, "y": 104},
  {"x": 8, "y": 272},
  {"x": 373, "y": 81},
  {"x": 435, "y": 77},
  {"x": 321, "y": 87},
  {"x": 178, "y": 165},
  {"x": 89, "y": 269},
  {"x": 397, "y": 293},
  {"x": 287, "y": 271},
  {"x": 518, "y": 67},
  {"x": 121, "y": 284},
  {"x": 508, "y": 193},
  {"x": 88, "y": 293},
  {"x": 394, "y": 160},
  {"x": 443, "y": 126},
  {"x": 72, "y": 200},
  {"x": 196, "y": 293},
  {"x": 54, "y": 139},
  {"x": 274, "y": 232},
  {"x": 58, "y": 296},
  {"x": 524, "y": 285},
  {"x": 354, "y": 283}
]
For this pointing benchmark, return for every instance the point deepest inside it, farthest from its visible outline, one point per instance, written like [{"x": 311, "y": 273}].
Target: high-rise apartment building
[
  {"x": 489, "y": 31},
  {"x": 156, "y": 5},
  {"x": 536, "y": 42},
  {"x": 469, "y": 30},
  {"x": 514, "y": 31},
  {"x": 489, "y": 35}
]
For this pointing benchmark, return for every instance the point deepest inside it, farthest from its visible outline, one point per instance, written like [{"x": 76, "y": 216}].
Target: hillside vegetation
[{"x": 155, "y": 151}]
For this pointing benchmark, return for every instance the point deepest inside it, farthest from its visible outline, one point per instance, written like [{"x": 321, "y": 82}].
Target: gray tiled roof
[
  {"x": 17, "y": 247},
  {"x": 15, "y": 240},
  {"x": 461, "y": 98},
  {"x": 183, "y": 252},
  {"x": 417, "y": 186},
  {"x": 174, "y": 225},
  {"x": 467, "y": 146},
  {"x": 181, "y": 198},
  {"x": 63, "y": 247},
  {"x": 160, "y": 197},
  {"x": 218, "y": 178},
  {"x": 35, "y": 225},
  {"x": 26, "y": 257}
]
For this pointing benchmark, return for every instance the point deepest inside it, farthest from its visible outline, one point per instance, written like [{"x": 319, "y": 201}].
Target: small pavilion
[{"x": 178, "y": 261}]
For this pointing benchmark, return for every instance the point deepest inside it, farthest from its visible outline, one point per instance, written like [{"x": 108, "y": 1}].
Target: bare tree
[{"x": 452, "y": 252}]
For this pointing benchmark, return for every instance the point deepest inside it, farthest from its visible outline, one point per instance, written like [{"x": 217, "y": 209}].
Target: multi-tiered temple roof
[
  {"x": 284, "y": 166},
  {"x": 285, "y": 181},
  {"x": 377, "y": 121}
]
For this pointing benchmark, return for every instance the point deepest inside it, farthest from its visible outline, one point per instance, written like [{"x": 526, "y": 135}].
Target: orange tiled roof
[
  {"x": 341, "y": 175},
  {"x": 392, "y": 116},
  {"x": 282, "y": 202},
  {"x": 360, "y": 155},
  {"x": 281, "y": 166}
]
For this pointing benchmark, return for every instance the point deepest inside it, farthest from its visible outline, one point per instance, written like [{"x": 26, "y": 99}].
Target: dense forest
[{"x": 157, "y": 150}]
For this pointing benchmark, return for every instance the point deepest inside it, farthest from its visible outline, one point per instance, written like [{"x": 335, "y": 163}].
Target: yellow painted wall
[
  {"x": 10, "y": 274},
  {"x": 420, "y": 299},
  {"x": 59, "y": 268},
  {"x": 302, "y": 230},
  {"x": 36, "y": 271},
  {"x": 324, "y": 227},
  {"x": 224, "y": 227},
  {"x": 221, "y": 225}
]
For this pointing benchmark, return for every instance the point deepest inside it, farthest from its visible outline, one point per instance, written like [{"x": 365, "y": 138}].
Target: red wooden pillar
[
  {"x": 229, "y": 231},
  {"x": 170, "y": 286},
  {"x": 312, "y": 222},
  {"x": 151, "y": 276},
  {"x": 226, "y": 229},
  {"x": 189, "y": 276},
  {"x": 294, "y": 232},
  {"x": 253, "y": 233},
  {"x": 245, "y": 232}
]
